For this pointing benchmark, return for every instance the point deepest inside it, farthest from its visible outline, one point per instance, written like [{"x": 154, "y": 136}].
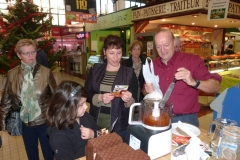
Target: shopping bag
[{"x": 150, "y": 77}]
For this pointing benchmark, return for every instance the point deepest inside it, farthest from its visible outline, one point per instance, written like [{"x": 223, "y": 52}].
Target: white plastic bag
[{"x": 150, "y": 77}]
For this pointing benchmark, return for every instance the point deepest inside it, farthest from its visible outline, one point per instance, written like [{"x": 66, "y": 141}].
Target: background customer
[
  {"x": 177, "y": 44},
  {"x": 136, "y": 61},
  {"x": 101, "y": 81},
  {"x": 31, "y": 85}
]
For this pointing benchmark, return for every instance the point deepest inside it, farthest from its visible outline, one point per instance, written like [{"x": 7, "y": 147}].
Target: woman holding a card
[{"x": 112, "y": 87}]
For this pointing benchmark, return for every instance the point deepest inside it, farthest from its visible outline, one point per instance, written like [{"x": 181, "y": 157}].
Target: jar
[{"x": 230, "y": 144}]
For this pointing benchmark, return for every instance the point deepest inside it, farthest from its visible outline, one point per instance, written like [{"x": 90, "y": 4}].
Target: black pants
[{"x": 31, "y": 135}]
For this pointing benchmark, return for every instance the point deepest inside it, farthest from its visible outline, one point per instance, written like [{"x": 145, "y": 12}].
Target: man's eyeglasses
[{"x": 29, "y": 53}]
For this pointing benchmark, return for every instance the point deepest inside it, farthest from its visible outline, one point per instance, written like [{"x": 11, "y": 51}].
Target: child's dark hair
[{"x": 62, "y": 107}]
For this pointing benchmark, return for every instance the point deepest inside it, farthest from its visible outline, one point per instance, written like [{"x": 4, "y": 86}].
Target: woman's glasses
[{"x": 29, "y": 53}]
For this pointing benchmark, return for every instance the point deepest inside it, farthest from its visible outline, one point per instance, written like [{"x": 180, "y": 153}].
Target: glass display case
[{"x": 225, "y": 62}]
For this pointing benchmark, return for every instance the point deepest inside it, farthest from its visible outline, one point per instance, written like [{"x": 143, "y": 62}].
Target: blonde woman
[{"x": 31, "y": 86}]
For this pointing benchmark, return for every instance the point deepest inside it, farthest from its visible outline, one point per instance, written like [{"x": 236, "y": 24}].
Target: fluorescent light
[
  {"x": 235, "y": 32},
  {"x": 234, "y": 68},
  {"x": 216, "y": 71}
]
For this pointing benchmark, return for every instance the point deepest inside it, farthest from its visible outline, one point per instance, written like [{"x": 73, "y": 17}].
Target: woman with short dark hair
[{"x": 106, "y": 106}]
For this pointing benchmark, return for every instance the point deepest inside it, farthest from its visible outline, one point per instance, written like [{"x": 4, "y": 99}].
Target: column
[{"x": 120, "y": 4}]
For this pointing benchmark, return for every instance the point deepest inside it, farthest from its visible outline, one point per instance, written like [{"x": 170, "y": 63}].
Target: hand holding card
[{"x": 118, "y": 89}]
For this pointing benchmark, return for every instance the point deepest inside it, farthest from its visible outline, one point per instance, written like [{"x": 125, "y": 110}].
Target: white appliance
[{"x": 155, "y": 143}]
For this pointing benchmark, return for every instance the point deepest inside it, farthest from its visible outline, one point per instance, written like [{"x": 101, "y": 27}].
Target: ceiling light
[
  {"x": 215, "y": 25},
  {"x": 195, "y": 15},
  {"x": 163, "y": 20},
  {"x": 193, "y": 23}
]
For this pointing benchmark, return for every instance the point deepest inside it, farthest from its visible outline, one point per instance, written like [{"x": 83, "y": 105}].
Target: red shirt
[{"x": 183, "y": 97}]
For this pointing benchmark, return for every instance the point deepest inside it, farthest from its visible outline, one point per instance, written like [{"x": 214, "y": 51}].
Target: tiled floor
[{"x": 13, "y": 147}]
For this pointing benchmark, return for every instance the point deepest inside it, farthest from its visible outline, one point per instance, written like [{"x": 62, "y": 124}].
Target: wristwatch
[{"x": 197, "y": 84}]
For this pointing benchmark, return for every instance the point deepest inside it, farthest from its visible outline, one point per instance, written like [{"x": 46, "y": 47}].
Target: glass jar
[{"x": 230, "y": 144}]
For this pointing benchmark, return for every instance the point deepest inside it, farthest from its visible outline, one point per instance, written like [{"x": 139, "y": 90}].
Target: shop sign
[
  {"x": 218, "y": 9},
  {"x": 75, "y": 29},
  {"x": 167, "y": 8},
  {"x": 80, "y": 35},
  {"x": 80, "y": 17},
  {"x": 56, "y": 31},
  {"x": 84, "y": 6},
  {"x": 65, "y": 31},
  {"x": 116, "y": 19},
  {"x": 233, "y": 8}
]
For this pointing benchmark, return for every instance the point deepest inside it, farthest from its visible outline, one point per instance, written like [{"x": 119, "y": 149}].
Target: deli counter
[{"x": 223, "y": 63}]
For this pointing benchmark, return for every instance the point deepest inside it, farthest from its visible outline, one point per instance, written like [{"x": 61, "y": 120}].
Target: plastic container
[{"x": 230, "y": 143}]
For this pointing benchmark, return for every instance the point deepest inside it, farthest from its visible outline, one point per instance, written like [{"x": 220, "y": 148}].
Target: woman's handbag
[{"x": 14, "y": 123}]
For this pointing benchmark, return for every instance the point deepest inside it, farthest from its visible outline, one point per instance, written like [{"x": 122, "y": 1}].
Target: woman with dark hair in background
[
  {"x": 70, "y": 126},
  {"x": 106, "y": 107},
  {"x": 136, "y": 61}
]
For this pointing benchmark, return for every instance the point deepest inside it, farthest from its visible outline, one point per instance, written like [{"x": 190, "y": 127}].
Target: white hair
[{"x": 177, "y": 40}]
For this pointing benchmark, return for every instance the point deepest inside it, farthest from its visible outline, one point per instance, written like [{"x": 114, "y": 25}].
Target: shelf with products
[
  {"x": 195, "y": 40},
  {"x": 224, "y": 62}
]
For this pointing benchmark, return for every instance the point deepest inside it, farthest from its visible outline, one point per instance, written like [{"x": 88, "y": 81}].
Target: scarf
[{"x": 30, "y": 108}]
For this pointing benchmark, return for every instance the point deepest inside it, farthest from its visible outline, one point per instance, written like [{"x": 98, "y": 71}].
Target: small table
[{"x": 203, "y": 137}]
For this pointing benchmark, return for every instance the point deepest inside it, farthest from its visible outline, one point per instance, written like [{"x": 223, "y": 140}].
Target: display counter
[
  {"x": 74, "y": 63},
  {"x": 222, "y": 62}
]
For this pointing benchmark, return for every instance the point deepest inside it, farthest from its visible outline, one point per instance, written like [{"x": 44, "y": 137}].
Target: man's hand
[{"x": 186, "y": 76}]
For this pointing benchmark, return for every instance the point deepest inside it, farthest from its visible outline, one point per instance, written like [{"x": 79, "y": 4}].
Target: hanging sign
[
  {"x": 80, "y": 17},
  {"x": 84, "y": 6},
  {"x": 218, "y": 9},
  {"x": 81, "y": 11}
]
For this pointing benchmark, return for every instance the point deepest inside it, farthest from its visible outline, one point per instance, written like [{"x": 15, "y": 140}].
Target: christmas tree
[{"x": 24, "y": 20}]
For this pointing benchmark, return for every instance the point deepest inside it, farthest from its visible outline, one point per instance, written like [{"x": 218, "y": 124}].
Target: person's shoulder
[
  {"x": 43, "y": 67},
  {"x": 14, "y": 69},
  {"x": 99, "y": 65}
]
